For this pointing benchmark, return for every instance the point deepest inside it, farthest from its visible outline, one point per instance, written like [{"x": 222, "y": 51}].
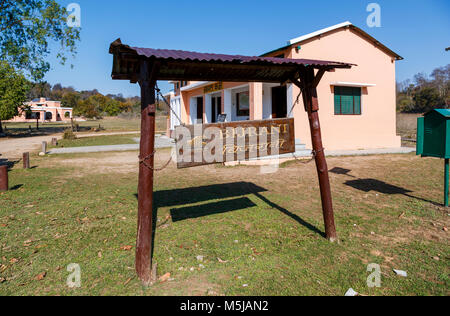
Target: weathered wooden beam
[
  {"x": 144, "y": 244},
  {"x": 308, "y": 85},
  {"x": 3, "y": 178},
  {"x": 26, "y": 160},
  {"x": 318, "y": 77}
]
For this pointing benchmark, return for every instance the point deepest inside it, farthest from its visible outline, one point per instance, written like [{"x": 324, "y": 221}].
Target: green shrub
[{"x": 68, "y": 134}]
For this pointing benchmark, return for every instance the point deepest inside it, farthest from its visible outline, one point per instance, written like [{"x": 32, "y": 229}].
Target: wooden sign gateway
[
  {"x": 147, "y": 65},
  {"x": 224, "y": 142}
]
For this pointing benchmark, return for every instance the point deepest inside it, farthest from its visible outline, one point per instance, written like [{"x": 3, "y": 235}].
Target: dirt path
[{"x": 14, "y": 147}]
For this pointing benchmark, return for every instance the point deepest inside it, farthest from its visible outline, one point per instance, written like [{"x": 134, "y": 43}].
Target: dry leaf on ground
[
  {"x": 40, "y": 276},
  {"x": 165, "y": 277}
]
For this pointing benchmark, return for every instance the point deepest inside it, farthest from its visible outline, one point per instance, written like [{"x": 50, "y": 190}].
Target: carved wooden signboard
[{"x": 224, "y": 142}]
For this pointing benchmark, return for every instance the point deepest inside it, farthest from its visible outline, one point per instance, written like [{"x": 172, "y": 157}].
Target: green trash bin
[{"x": 433, "y": 140}]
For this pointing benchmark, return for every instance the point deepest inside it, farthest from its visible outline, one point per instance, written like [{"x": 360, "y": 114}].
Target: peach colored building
[
  {"x": 357, "y": 105},
  {"x": 45, "y": 111}
]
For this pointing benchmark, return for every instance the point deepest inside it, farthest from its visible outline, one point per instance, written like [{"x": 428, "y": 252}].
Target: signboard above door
[
  {"x": 217, "y": 86},
  {"x": 233, "y": 141}
]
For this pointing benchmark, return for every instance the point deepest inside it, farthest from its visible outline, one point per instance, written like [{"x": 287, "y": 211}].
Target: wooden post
[
  {"x": 54, "y": 141},
  {"x": 446, "y": 176},
  {"x": 4, "y": 178},
  {"x": 308, "y": 86},
  {"x": 44, "y": 147},
  {"x": 26, "y": 160},
  {"x": 144, "y": 242}
]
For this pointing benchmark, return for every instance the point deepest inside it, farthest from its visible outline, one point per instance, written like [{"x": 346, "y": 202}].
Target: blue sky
[{"x": 418, "y": 30}]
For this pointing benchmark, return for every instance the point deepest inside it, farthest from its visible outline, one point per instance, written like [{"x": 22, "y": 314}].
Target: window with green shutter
[{"x": 347, "y": 100}]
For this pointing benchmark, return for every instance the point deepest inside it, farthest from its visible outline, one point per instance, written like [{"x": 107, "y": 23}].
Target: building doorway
[
  {"x": 199, "y": 110},
  {"x": 216, "y": 106},
  {"x": 279, "y": 102}
]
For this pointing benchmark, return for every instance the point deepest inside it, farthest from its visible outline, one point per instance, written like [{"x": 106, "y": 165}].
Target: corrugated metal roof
[
  {"x": 193, "y": 66},
  {"x": 208, "y": 57}
]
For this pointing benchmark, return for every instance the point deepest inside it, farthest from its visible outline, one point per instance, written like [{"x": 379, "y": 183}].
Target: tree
[
  {"x": 13, "y": 92},
  {"x": 87, "y": 109},
  {"x": 70, "y": 99},
  {"x": 27, "y": 27},
  {"x": 427, "y": 98},
  {"x": 426, "y": 93},
  {"x": 421, "y": 79},
  {"x": 39, "y": 89},
  {"x": 441, "y": 78}
]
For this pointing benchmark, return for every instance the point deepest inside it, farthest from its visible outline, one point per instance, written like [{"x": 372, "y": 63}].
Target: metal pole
[
  {"x": 26, "y": 160},
  {"x": 446, "y": 171},
  {"x": 145, "y": 189},
  {"x": 44, "y": 147},
  {"x": 311, "y": 103},
  {"x": 4, "y": 178}
]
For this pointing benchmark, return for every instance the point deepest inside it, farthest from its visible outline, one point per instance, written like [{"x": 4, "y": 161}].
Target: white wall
[
  {"x": 193, "y": 110},
  {"x": 208, "y": 101},
  {"x": 227, "y": 104},
  {"x": 290, "y": 99},
  {"x": 175, "y": 104}
]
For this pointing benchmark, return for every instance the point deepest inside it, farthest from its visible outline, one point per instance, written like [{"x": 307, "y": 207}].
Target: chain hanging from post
[
  {"x": 313, "y": 156},
  {"x": 313, "y": 152},
  {"x": 158, "y": 93},
  {"x": 143, "y": 160},
  {"x": 297, "y": 100}
]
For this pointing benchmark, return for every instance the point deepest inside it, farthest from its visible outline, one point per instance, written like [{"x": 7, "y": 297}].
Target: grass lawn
[
  {"x": 108, "y": 123},
  {"x": 259, "y": 234},
  {"x": 98, "y": 141}
]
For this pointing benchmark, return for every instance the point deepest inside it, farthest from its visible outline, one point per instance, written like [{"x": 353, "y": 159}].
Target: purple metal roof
[
  {"x": 208, "y": 57},
  {"x": 192, "y": 66}
]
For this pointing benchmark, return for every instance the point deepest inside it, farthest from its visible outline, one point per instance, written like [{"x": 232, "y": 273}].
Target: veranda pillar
[{"x": 144, "y": 243}]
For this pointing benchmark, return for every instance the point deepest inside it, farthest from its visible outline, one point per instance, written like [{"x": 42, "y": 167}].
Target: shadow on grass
[
  {"x": 21, "y": 132},
  {"x": 16, "y": 187},
  {"x": 178, "y": 197},
  {"x": 297, "y": 218},
  {"x": 9, "y": 163},
  {"x": 338, "y": 170},
  {"x": 368, "y": 185},
  {"x": 376, "y": 185},
  {"x": 179, "y": 214}
]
